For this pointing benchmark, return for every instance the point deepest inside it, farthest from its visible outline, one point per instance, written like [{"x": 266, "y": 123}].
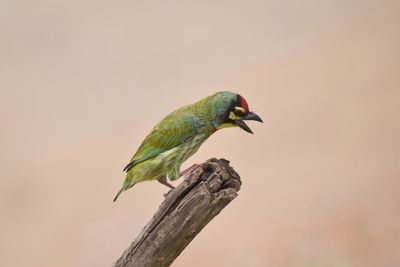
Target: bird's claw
[
  {"x": 186, "y": 173},
  {"x": 190, "y": 169},
  {"x": 163, "y": 180}
]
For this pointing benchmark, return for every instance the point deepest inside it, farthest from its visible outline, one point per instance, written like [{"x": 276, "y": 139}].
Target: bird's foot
[
  {"x": 163, "y": 180},
  {"x": 186, "y": 173}
]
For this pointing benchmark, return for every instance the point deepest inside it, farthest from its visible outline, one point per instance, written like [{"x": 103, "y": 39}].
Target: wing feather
[{"x": 172, "y": 131}]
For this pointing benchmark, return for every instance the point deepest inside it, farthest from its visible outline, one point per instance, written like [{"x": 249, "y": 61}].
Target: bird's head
[{"x": 231, "y": 110}]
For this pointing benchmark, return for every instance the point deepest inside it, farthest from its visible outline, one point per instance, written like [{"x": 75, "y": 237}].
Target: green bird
[{"x": 179, "y": 135}]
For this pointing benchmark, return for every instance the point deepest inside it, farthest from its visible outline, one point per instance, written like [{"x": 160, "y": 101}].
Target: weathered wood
[{"x": 183, "y": 214}]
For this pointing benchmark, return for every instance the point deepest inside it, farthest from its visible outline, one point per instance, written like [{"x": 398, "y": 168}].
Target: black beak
[{"x": 249, "y": 116}]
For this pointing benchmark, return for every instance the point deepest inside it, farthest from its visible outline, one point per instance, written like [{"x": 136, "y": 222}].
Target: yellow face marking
[
  {"x": 226, "y": 125},
  {"x": 239, "y": 109},
  {"x": 232, "y": 116}
]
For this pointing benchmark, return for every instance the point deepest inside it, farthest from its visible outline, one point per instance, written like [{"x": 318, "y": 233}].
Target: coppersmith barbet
[{"x": 180, "y": 134}]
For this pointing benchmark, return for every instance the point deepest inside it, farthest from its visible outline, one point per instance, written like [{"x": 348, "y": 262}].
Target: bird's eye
[
  {"x": 236, "y": 114},
  {"x": 239, "y": 111}
]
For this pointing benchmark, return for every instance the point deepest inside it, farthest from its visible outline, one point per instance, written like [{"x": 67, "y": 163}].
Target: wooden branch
[{"x": 183, "y": 214}]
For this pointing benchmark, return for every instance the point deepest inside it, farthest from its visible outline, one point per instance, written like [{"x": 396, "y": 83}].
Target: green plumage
[{"x": 177, "y": 137}]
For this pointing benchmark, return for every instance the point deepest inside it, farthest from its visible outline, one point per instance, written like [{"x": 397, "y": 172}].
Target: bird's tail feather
[
  {"x": 119, "y": 192},
  {"x": 122, "y": 190}
]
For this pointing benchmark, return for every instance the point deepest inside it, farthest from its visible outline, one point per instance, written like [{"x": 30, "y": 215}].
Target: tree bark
[{"x": 183, "y": 214}]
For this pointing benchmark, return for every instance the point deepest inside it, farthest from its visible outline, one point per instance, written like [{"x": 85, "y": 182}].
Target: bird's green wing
[{"x": 173, "y": 130}]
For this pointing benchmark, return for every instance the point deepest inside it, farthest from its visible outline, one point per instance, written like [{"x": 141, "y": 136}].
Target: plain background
[{"x": 83, "y": 82}]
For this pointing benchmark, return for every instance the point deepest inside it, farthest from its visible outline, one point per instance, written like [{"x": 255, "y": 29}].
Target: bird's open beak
[{"x": 249, "y": 116}]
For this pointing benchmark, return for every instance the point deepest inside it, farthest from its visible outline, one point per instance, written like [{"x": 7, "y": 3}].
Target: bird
[{"x": 180, "y": 134}]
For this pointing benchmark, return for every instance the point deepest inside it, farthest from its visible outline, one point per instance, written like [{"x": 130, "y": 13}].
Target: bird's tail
[
  {"x": 119, "y": 192},
  {"x": 124, "y": 187}
]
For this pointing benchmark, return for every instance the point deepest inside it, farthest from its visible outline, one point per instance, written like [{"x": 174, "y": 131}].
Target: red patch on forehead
[{"x": 244, "y": 104}]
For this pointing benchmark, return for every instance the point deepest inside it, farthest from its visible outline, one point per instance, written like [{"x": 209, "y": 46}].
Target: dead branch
[{"x": 183, "y": 214}]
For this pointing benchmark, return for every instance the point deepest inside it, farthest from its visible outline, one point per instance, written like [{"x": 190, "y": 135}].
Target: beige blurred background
[{"x": 82, "y": 83}]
